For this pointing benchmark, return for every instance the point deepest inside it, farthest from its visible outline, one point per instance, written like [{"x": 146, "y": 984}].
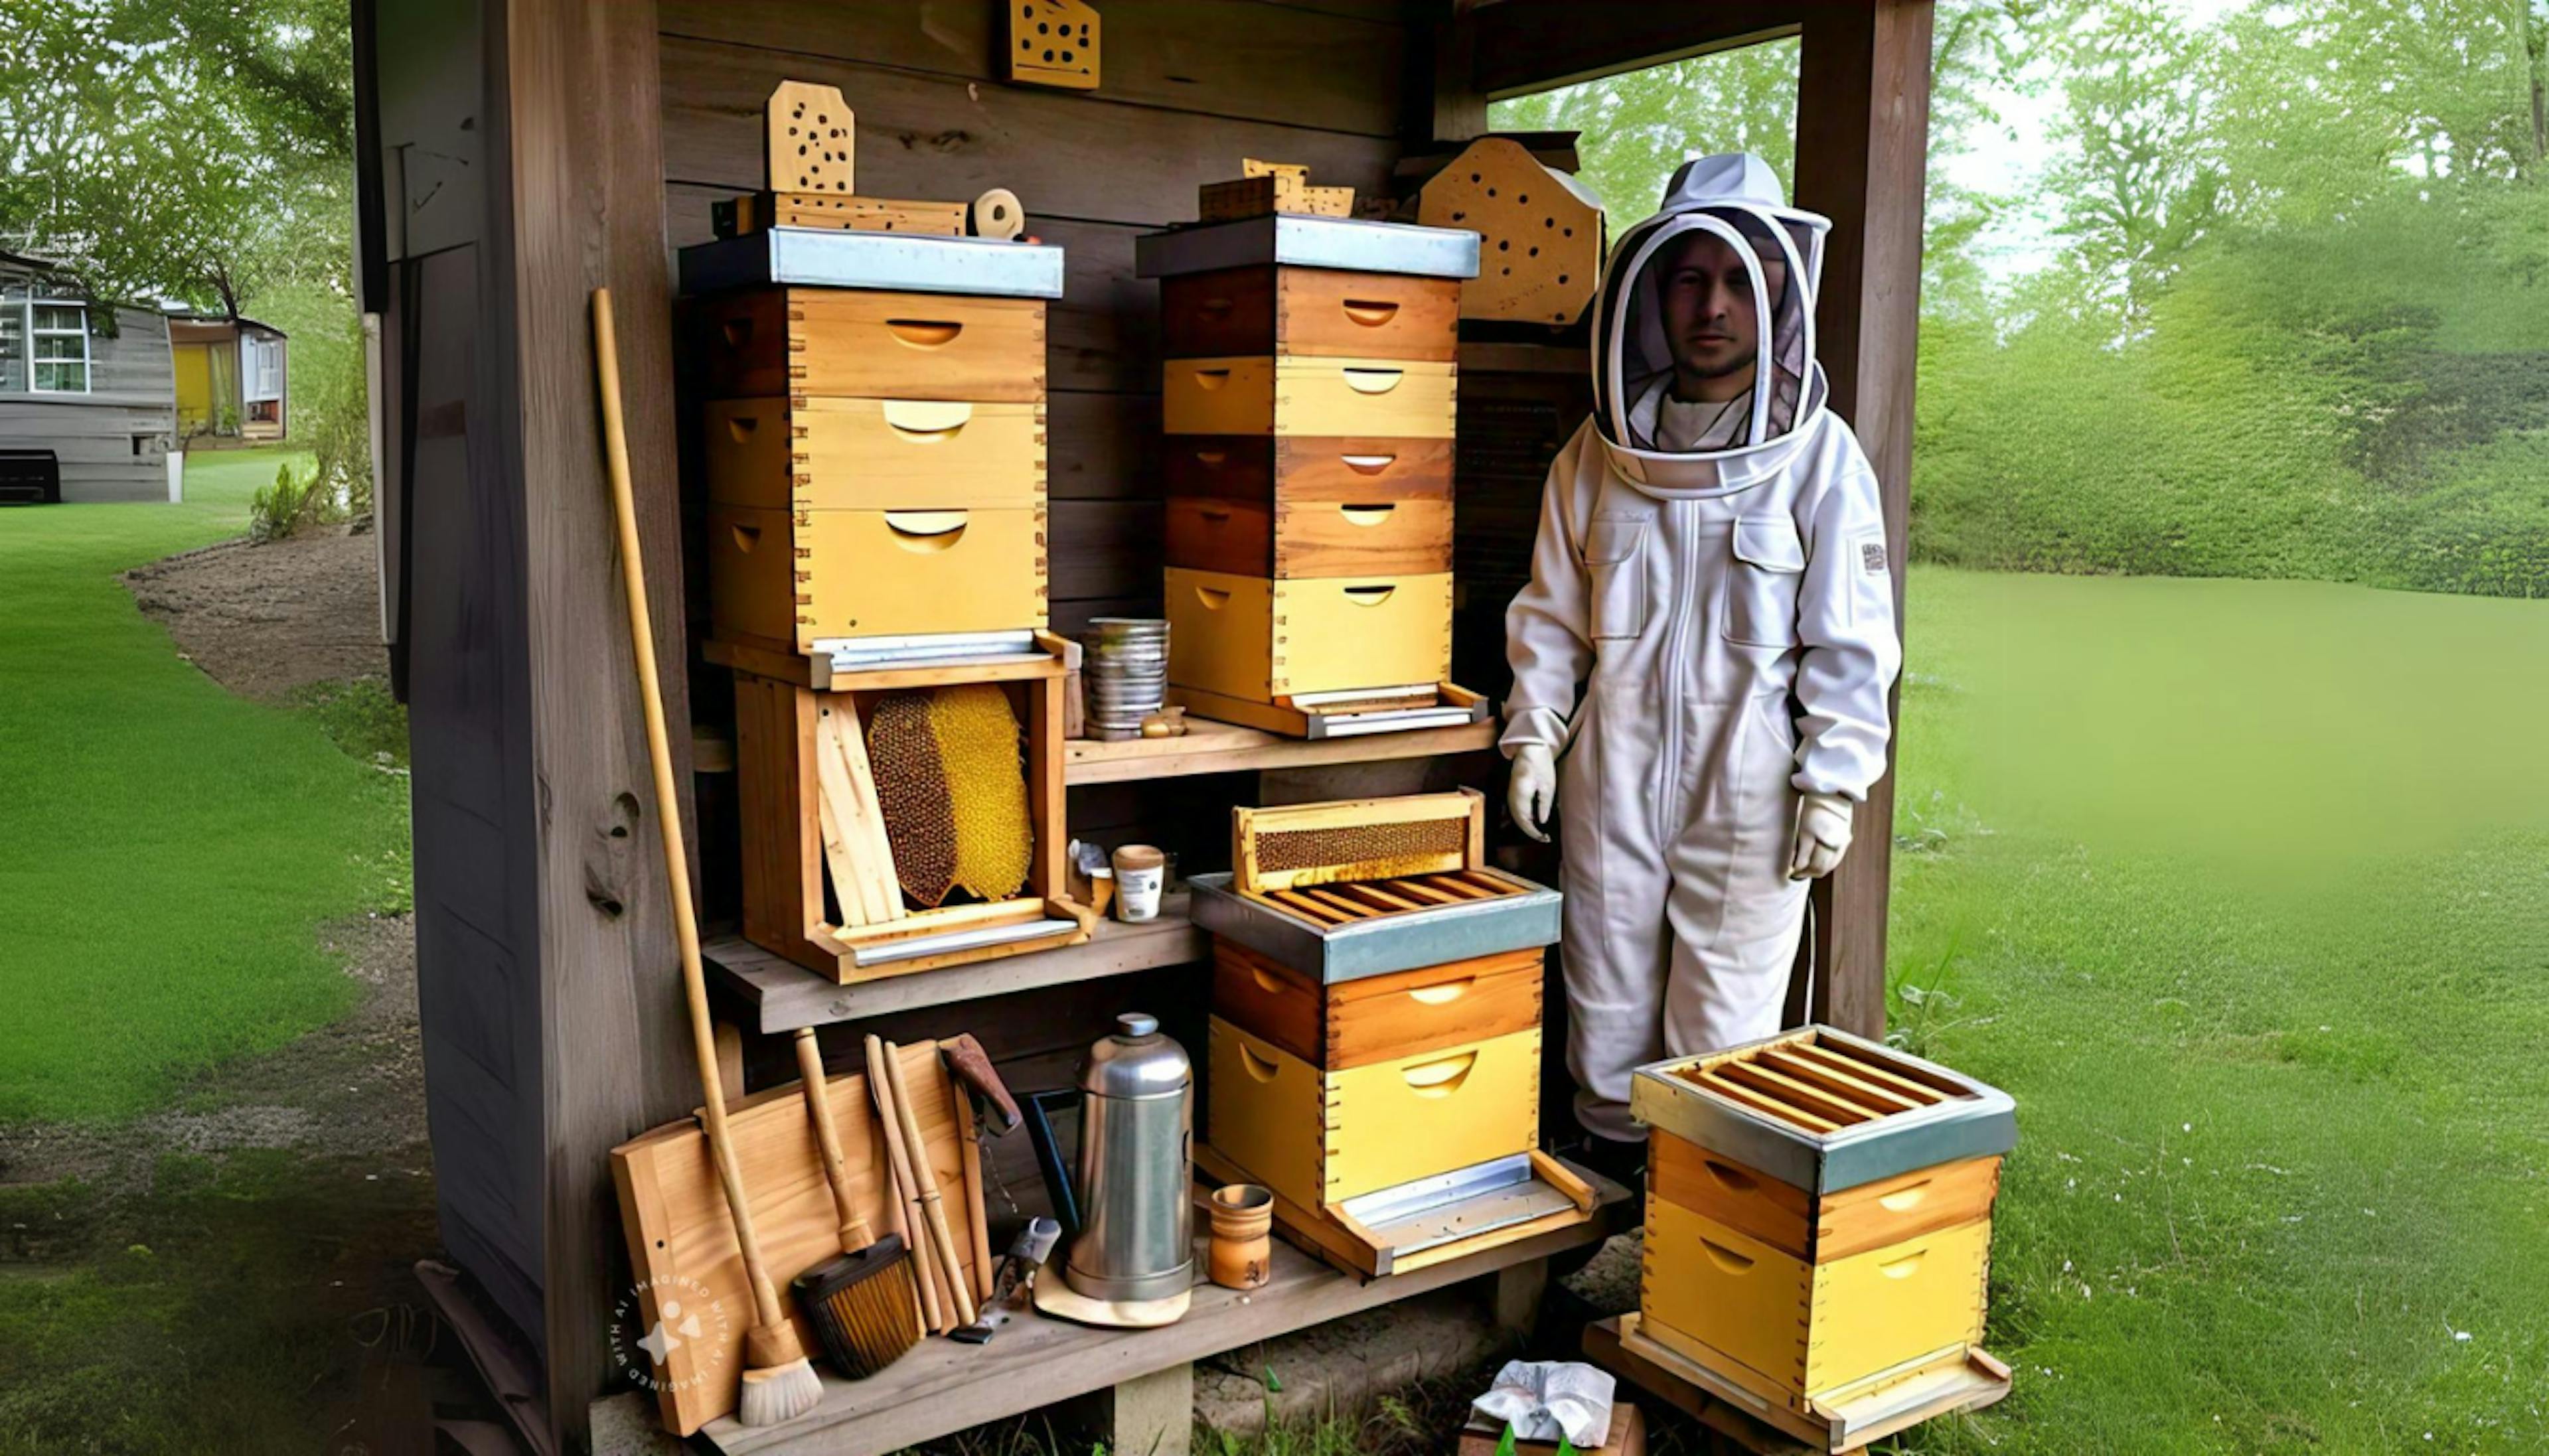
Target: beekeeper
[{"x": 1711, "y": 564}]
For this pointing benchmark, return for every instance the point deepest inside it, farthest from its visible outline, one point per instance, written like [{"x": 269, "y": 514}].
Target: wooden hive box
[
  {"x": 1539, "y": 233},
  {"x": 1819, "y": 1218},
  {"x": 808, "y": 889}
]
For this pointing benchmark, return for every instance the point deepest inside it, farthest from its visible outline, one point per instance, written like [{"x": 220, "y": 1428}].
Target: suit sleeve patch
[{"x": 1871, "y": 557}]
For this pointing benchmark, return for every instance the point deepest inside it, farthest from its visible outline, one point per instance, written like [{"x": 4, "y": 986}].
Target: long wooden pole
[{"x": 767, "y": 1312}]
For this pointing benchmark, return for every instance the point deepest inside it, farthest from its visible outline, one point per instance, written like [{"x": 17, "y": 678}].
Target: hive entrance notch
[{"x": 811, "y": 140}]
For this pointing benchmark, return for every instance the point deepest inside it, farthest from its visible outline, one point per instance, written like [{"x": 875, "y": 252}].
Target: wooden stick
[
  {"x": 769, "y": 1316},
  {"x": 964, "y": 1113},
  {"x": 930, "y": 1205},
  {"x": 881, "y": 1088},
  {"x": 828, "y": 1137}
]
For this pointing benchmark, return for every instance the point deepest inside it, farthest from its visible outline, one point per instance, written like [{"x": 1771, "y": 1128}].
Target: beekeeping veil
[{"x": 1736, "y": 199}]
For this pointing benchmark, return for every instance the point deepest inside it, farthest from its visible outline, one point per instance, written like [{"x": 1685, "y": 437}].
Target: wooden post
[
  {"x": 1520, "y": 1288},
  {"x": 1862, "y": 147},
  {"x": 580, "y": 132}
]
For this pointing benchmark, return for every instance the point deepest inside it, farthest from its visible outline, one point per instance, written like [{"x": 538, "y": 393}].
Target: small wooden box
[
  {"x": 1377, "y": 537},
  {"x": 789, "y": 903},
  {"x": 798, "y": 577},
  {"x": 1260, "y": 639},
  {"x": 1320, "y": 1137},
  {"x": 820, "y": 453},
  {"x": 1379, "y": 1018},
  {"x": 1289, "y": 395},
  {"x": 1818, "y": 1210},
  {"x": 1277, "y": 470},
  {"x": 1309, "y": 312},
  {"x": 785, "y": 341}
]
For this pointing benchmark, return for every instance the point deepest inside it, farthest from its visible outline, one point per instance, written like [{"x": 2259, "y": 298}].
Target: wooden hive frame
[
  {"x": 796, "y": 870},
  {"x": 1817, "y": 1083},
  {"x": 1348, "y": 840}
]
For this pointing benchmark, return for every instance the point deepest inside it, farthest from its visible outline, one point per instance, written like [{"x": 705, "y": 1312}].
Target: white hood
[{"x": 1737, "y": 198}]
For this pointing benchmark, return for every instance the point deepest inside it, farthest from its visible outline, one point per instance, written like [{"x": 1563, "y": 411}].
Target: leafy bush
[{"x": 292, "y": 502}]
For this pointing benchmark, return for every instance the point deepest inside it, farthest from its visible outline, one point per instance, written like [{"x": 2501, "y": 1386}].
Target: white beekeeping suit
[{"x": 1716, "y": 575}]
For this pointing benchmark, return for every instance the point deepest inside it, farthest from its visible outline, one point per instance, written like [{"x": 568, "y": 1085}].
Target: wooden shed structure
[
  {"x": 231, "y": 379},
  {"x": 88, "y": 401},
  {"x": 517, "y": 154}
]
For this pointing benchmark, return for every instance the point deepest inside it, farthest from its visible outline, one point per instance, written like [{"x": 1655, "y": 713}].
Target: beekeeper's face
[{"x": 1709, "y": 317}]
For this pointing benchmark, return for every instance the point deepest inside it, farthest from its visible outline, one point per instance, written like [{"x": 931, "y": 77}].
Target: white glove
[
  {"x": 1823, "y": 834},
  {"x": 1533, "y": 791}
]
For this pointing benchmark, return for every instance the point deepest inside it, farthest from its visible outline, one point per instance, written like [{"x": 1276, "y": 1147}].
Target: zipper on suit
[{"x": 1669, "y": 759}]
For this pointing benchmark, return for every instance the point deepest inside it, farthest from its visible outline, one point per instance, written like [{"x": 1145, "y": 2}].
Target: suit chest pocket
[
  {"x": 1762, "y": 580},
  {"x": 1614, "y": 558}
]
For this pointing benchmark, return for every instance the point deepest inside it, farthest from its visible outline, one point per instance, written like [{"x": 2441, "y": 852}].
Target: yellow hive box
[
  {"x": 1291, "y": 395},
  {"x": 844, "y": 454},
  {"x": 1261, "y": 639},
  {"x": 1320, "y": 1137},
  {"x": 795, "y": 577},
  {"x": 1818, "y": 1212}
]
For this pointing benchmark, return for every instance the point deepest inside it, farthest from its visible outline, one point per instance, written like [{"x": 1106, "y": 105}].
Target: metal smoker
[{"x": 1129, "y": 1214}]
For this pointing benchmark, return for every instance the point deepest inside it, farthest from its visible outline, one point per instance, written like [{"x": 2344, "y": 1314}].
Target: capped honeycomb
[
  {"x": 1361, "y": 844},
  {"x": 913, "y": 795}
]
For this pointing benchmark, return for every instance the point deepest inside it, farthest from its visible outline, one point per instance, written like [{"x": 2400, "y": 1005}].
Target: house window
[
  {"x": 13, "y": 343},
  {"x": 59, "y": 331}
]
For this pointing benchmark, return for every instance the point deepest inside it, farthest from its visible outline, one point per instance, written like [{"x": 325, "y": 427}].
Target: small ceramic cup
[
  {"x": 1141, "y": 873},
  {"x": 1241, "y": 1257}
]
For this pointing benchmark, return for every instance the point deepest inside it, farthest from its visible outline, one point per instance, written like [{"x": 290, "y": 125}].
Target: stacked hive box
[
  {"x": 876, "y": 453},
  {"x": 1308, "y": 395},
  {"x": 1819, "y": 1229},
  {"x": 1371, "y": 1033}
]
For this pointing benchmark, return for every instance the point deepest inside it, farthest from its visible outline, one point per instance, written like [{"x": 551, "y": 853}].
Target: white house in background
[{"x": 88, "y": 406}]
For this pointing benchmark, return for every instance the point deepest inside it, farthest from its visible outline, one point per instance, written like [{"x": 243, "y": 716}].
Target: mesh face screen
[
  {"x": 1310, "y": 848},
  {"x": 978, "y": 746},
  {"x": 912, "y": 793}
]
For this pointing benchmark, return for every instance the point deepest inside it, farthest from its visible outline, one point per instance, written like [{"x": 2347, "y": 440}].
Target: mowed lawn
[
  {"x": 166, "y": 849},
  {"x": 2242, "y": 890}
]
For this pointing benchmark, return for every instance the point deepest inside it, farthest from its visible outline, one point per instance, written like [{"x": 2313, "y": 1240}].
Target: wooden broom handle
[
  {"x": 667, "y": 814},
  {"x": 827, "y": 1136},
  {"x": 923, "y": 1255}
]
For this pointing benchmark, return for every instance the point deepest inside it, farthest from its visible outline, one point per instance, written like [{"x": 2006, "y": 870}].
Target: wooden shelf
[
  {"x": 943, "y": 1387},
  {"x": 786, "y": 995},
  {"x": 1224, "y": 748}
]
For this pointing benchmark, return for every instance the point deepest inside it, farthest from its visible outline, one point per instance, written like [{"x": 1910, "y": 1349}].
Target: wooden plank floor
[
  {"x": 943, "y": 1387},
  {"x": 786, "y": 995}
]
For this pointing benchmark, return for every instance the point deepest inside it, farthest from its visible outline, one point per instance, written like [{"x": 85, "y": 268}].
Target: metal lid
[{"x": 1136, "y": 1062}]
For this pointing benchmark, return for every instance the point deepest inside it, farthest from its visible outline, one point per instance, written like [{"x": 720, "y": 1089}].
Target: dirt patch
[
  {"x": 265, "y": 620},
  {"x": 351, "y": 1089}
]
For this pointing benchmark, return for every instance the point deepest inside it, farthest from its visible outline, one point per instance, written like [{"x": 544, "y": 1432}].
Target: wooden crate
[
  {"x": 763, "y": 342},
  {"x": 790, "y": 888},
  {"x": 823, "y": 453},
  {"x": 1319, "y": 1138},
  {"x": 1288, "y": 395},
  {"x": 1379, "y": 1018},
  {"x": 1371, "y": 538},
  {"x": 1818, "y": 1212},
  {"x": 1280, "y": 470},
  {"x": 798, "y": 576},
  {"x": 1310, "y": 312},
  {"x": 1261, "y": 639},
  {"x": 681, "y": 1238}
]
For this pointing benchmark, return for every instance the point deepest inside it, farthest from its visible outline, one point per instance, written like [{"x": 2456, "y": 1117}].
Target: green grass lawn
[
  {"x": 165, "y": 848},
  {"x": 2242, "y": 890}
]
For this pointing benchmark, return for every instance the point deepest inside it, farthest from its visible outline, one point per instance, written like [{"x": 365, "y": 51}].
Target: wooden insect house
[
  {"x": 1375, "y": 1039},
  {"x": 1539, "y": 233},
  {"x": 1818, "y": 1233}
]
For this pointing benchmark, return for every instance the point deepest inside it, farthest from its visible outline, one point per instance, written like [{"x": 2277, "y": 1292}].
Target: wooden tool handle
[
  {"x": 930, "y": 1206},
  {"x": 827, "y": 1136},
  {"x": 881, "y": 1088},
  {"x": 767, "y": 1312},
  {"x": 969, "y": 1065}
]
